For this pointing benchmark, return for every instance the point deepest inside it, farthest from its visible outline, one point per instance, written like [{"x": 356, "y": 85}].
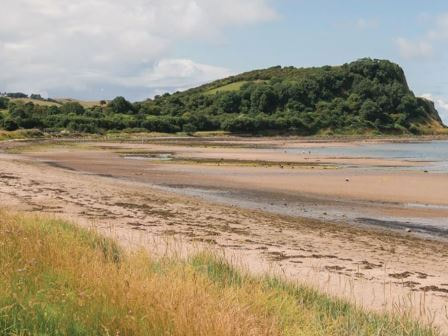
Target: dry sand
[{"x": 373, "y": 268}]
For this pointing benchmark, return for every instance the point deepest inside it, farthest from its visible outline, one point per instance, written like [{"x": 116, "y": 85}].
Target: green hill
[{"x": 363, "y": 97}]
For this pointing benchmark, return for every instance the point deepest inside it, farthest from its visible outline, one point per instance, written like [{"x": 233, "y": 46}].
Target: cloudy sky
[{"x": 92, "y": 49}]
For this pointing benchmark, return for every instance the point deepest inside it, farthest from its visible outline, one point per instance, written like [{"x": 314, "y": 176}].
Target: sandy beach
[
  {"x": 346, "y": 225},
  {"x": 349, "y": 189}
]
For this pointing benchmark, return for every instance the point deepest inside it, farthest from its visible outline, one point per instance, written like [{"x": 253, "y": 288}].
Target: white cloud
[
  {"x": 426, "y": 46},
  {"x": 441, "y": 106},
  {"x": 177, "y": 74},
  {"x": 80, "y": 46},
  {"x": 414, "y": 49}
]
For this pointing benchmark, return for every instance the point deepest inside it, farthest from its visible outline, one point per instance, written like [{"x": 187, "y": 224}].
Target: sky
[{"x": 99, "y": 49}]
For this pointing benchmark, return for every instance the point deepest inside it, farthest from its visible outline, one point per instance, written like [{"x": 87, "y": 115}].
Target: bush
[
  {"x": 4, "y": 102},
  {"x": 189, "y": 128},
  {"x": 72, "y": 108},
  {"x": 10, "y": 124},
  {"x": 121, "y": 105}
]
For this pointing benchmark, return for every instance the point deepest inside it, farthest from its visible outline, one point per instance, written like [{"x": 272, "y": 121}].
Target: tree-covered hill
[{"x": 363, "y": 97}]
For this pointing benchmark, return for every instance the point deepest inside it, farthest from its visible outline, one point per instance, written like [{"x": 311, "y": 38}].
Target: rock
[
  {"x": 408, "y": 230},
  {"x": 347, "y": 180}
]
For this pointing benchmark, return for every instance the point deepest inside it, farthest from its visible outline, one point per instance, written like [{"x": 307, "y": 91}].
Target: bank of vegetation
[
  {"x": 58, "y": 279},
  {"x": 363, "y": 97}
]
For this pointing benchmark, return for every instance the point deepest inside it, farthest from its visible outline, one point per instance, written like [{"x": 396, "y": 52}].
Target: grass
[
  {"x": 35, "y": 101},
  {"x": 59, "y": 102},
  {"x": 212, "y": 134},
  {"x": 44, "y": 145},
  {"x": 236, "y": 86},
  {"x": 84, "y": 103},
  {"x": 227, "y": 88},
  {"x": 58, "y": 279},
  {"x": 432, "y": 127},
  {"x": 20, "y": 134}
]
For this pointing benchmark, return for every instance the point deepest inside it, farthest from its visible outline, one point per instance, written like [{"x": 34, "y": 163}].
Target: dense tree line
[{"x": 366, "y": 95}]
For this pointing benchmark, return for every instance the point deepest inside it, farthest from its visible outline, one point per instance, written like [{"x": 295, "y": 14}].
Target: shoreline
[
  {"x": 307, "y": 208},
  {"x": 136, "y": 137},
  {"x": 377, "y": 269},
  {"x": 361, "y": 191}
]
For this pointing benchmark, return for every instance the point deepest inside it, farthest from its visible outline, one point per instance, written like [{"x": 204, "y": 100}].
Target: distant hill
[{"x": 364, "y": 97}]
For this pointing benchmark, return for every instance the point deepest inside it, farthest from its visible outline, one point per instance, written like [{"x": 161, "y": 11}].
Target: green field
[
  {"x": 58, "y": 279},
  {"x": 232, "y": 87},
  {"x": 227, "y": 88}
]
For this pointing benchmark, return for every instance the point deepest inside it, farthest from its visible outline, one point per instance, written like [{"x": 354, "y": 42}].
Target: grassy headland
[{"x": 58, "y": 279}]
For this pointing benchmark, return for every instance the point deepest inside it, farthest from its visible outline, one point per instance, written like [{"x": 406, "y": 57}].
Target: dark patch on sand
[{"x": 398, "y": 225}]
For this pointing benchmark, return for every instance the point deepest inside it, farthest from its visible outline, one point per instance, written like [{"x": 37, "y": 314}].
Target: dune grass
[{"x": 58, "y": 279}]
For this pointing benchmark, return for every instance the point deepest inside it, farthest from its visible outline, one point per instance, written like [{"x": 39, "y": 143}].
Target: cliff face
[{"x": 430, "y": 109}]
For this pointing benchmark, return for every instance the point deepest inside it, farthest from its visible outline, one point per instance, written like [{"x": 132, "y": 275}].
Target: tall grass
[
  {"x": 57, "y": 279},
  {"x": 20, "y": 134}
]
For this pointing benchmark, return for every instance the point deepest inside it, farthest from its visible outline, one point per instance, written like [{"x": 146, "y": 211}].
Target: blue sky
[
  {"x": 314, "y": 33},
  {"x": 142, "y": 47}
]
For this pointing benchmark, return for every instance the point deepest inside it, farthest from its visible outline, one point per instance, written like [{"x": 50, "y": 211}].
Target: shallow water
[
  {"x": 355, "y": 213},
  {"x": 435, "y": 153}
]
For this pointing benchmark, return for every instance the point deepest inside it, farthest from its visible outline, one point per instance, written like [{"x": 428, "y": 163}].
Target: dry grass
[
  {"x": 57, "y": 279},
  {"x": 35, "y": 101},
  {"x": 84, "y": 103},
  {"x": 20, "y": 134}
]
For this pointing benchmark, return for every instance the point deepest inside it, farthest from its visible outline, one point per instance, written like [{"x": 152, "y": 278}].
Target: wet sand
[
  {"x": 253, "y": 210},
  {"x": 368, "y": 191}
]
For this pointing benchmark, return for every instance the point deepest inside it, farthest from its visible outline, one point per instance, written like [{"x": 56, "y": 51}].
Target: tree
[
  {"x": 4, "y": 102},
  {"x": 10, "y": 125},
  {"x": 370, "y": 111},
  {"x": 408, "y": 105},
  {"x": 189, "y": 128},
  {"x": 263, "y": 99},
  {"x": 229, "y": 102},
  {"x": 121, "y": 105},
  {"x": 72, "y": 108},
  {"x": 16, "y": 95},
  {"x": 36, "y": 96}
]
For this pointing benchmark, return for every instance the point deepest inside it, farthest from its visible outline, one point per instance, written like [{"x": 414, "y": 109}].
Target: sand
[
  {"x": 368, "y": 185},
  {"x": 378, "y": 269}
]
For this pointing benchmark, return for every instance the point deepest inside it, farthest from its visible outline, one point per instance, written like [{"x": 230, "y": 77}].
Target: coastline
[{"x": 375, "y": 268}]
